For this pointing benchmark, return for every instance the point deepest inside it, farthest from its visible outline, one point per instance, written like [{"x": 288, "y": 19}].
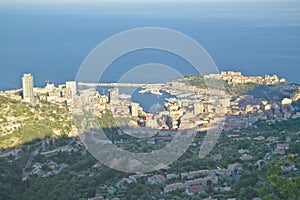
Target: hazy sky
[
  {"x": 131, "y": 1},
  {"x": 135, "y": 1},
  {"x": 156, "y": 8}
]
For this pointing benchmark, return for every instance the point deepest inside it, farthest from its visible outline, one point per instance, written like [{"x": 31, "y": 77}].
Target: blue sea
[
  {"x": 149, "y": 102},
  {"x": 52, "y": 40}
]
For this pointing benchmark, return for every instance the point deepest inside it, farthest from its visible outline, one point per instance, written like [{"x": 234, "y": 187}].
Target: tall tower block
[
  {"x": 27, "y": 83},
  {"x": 114, "y": 96},
  {"x": 71, "y": 87}
]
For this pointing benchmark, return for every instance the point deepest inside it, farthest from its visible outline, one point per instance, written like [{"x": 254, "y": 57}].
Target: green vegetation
[
  {"x": 21, "y": 122},
  {"x": 235, "y": 90},
  {"x": 266, "y": 175},
  {"x": 272, "y": 92},
  {"x": 285, "y": 126},
  {"x": 4, "y": 100},
  {"x": 31, "y": 132},
  {"x": 280, "y": 184},
  {"x": 10, "y": 179},
  {"x": 240, "y": 89},
  {"x": 107, "y": 121},
  {"x": 195, "y": 80}
]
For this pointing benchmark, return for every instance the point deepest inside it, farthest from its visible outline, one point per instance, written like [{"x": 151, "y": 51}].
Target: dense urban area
[{"x": 256, "y": 156}]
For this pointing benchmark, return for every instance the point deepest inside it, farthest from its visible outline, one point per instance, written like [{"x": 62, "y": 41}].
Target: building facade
[
  {"x": 71, "y": 88},
  {"x": 114, "y": 95},
  {"x": 27, "y": 84}
]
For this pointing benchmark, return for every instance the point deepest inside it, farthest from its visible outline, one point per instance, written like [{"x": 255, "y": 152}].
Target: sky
[
  {"x": 250, "y": 9},
  {"x": 128, "y": 1}
]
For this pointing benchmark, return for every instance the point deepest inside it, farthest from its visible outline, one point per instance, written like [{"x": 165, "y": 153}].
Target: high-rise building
[
  {"x": 208, "y": 107},
  {"x": 198, "y": 108},
  {"x": 27, "y": 83},
  {"x": 71, "y": 88},
  {"x": 134, "y": 109},
  {"x": 114, "y": 96}
]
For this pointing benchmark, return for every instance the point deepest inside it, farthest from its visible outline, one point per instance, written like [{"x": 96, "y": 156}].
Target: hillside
[{"x": 21, "y": 122}]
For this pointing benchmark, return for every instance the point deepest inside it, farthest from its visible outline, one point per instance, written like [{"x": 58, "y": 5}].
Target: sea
[
  {"x": 51, "y": 40},
  {"x": 148, "y": 101}
]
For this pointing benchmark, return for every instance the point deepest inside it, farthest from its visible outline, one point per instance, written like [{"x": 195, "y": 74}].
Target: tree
[
  {"x": 282, "y": 185},
  {"x": 247, "y": 193}
]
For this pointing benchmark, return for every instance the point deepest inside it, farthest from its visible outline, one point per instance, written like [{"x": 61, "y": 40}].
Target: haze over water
[{"x": 51, "y": 40}]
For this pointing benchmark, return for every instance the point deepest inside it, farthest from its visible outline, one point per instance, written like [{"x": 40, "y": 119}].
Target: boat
[
  {"x": 144, "y": 91},
  {"x": 156, "y": 92},
  {"x": 171, "y": 99}
]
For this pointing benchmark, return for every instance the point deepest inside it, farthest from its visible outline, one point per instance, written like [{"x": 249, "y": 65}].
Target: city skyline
[{"x": 141, "y": 99}]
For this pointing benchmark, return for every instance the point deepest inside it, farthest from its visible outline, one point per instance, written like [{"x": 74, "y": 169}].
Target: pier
[{"x": 135, "y": 85}]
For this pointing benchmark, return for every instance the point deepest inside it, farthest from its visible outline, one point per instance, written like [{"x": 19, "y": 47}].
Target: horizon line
[{"x": 134, "y": 1}]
